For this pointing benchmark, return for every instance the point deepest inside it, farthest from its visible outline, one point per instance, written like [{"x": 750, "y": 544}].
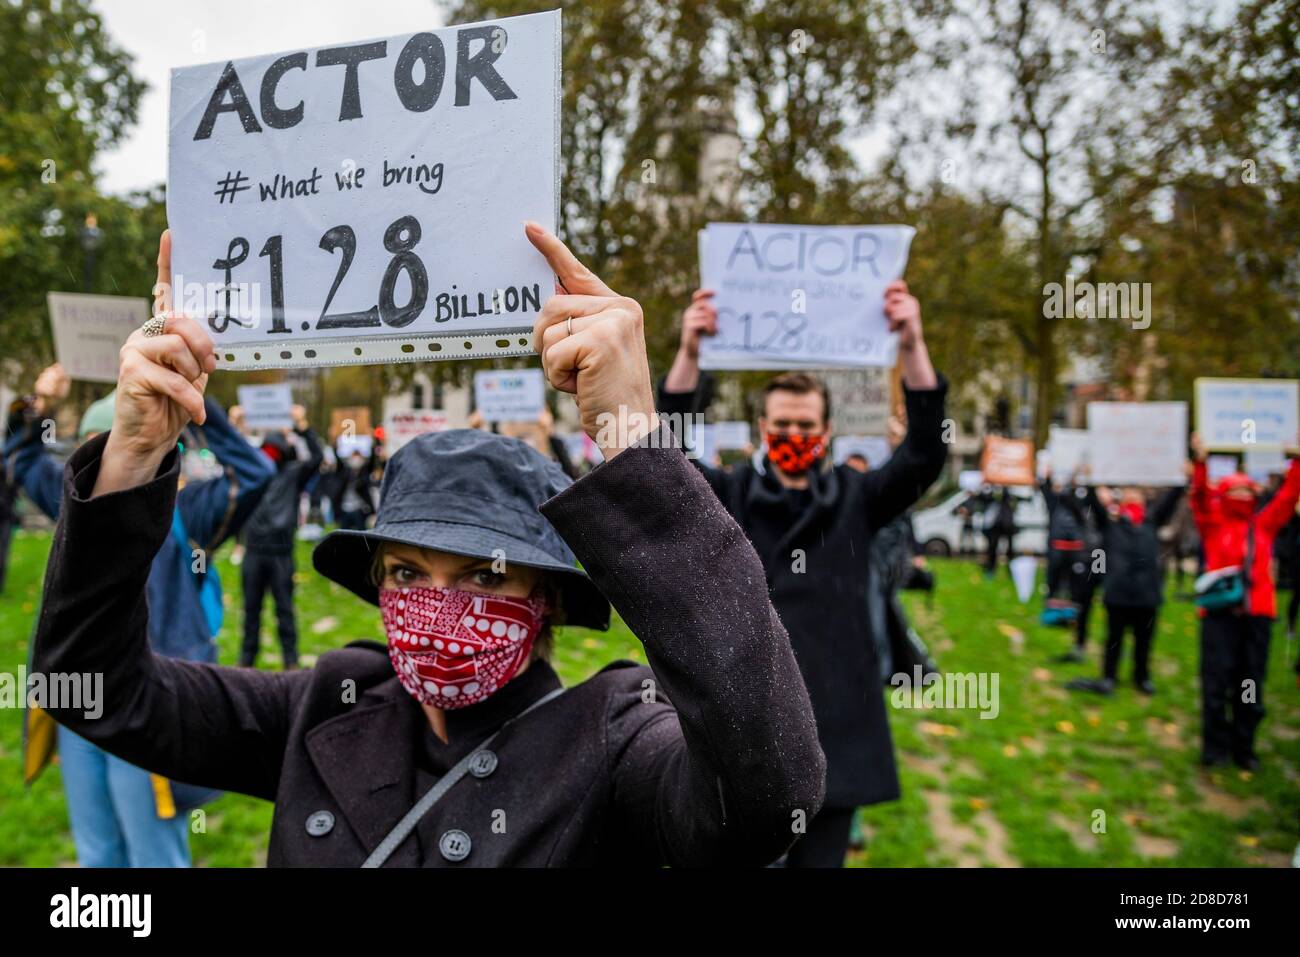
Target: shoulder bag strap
[{"x": 444, "y": 784}]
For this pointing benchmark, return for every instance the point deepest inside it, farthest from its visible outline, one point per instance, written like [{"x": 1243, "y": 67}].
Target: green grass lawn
[{"x": 1056, "y": 778}]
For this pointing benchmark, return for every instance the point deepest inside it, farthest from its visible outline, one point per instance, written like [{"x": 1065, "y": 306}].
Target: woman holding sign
[
  {"x": 455, "y": 744},
  {"x": 1237, "y": 604}
]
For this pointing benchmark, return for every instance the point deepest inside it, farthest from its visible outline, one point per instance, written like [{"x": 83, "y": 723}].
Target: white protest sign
[
  {"x": 701, "y": 442},
  {"x": 509, "y": 395},
  {"x": 731, "y": 435},
  {"x": 580, "y": 448},
  {"x": 1137, "y": 443},
  {"x": 345, "y": 204},
  {"x": 859, "y": 400},
  {"x": 1067, "y": 451},
  {"x": 267, "y": 407},
  {"x": 347, "y": 444},
  {"x": 89, "y": 331},
  {"x": 800, "y": 296},
  {"x": 874, "y": 448},
  {"x": 1237, "y": 414},
  {"x": 1261, "y": 464},
  {"x": 1219, "y": 467},
  {"x": 401, "y": 427}
]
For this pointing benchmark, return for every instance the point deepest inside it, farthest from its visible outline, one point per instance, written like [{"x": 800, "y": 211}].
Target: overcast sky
[{"x": 184, "y": 32}]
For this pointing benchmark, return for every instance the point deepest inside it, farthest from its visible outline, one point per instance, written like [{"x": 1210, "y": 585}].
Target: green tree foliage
[
  {"x": 66, "y": 93},
  {"x": 1212, "y": 223}
]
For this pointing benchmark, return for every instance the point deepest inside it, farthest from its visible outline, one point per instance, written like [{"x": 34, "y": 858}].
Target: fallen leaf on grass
[
  {"x": 938, "y": 730},
  {"x": 1065, "y": 727},
  {"x": 1009, "y": 750}
]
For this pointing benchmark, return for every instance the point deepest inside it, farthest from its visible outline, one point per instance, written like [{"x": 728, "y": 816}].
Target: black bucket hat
[{"x": 470, "y": 493}]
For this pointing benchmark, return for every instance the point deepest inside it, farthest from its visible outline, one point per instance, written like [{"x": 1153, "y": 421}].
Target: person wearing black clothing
[
  {"x": 1134, "y": 587},
  {"x": 708, "y": 756},
  {"x": 15, "y": 421},
  {"x": 351, "y": 495},
  {"x": 812, "y": 525},
  {"x": 1064, "y": 537},
  {"x": 1088, "y": 570},
  {"x": 269, "y": 539},
  {"x": 999, "y": 527}
]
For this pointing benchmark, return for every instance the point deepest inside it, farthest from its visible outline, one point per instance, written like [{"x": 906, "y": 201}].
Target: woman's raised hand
[
  {"x": 160, "y": 385},
  {"x": 600, "y": 356}
]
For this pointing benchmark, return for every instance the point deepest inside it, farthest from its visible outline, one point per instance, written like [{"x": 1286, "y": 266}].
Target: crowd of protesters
[{"x": 765, "y": 594}]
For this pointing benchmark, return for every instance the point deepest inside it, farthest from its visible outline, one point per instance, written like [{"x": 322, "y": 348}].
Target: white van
[{"x": 938, "y": 529}]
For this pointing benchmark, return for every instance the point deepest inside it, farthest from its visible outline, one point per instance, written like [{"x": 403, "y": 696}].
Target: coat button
[
  {"x": 483, "y": 763},
  {"x": 320, "y": 823},
  {"x": 454, "y": 845}
]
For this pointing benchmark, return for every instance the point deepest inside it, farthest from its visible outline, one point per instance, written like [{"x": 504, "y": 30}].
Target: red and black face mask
[
  {"x": 795, "y": 453},
  {"x": 1135, "y": 512}
]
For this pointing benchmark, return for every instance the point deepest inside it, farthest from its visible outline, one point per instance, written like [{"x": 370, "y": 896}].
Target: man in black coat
[
  {"x": 268, "y": 541},
  {"x": 812, "y": 526}
]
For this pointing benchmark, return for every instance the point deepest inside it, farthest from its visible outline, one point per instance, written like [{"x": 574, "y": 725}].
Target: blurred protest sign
[
  {"x": 701, "y": 442},
  {"x": 859, "y": 400},
  {"x": 1261, "y": 464},
  {"x": 800, "y": 296},
  {"x": 509, "y": 395},
  {"x": 351, "y": 204},
  {"x": 1007, "y": 461},
  {"x": 580, "y": 448},
  {"x": 1137, "y": 443},
  {"x": 401, "y": 427},
  {"x": 1218, "y": 467},
  {"x": 874, "y": 448},
  {"x": 266, "y": 407},
  {"x": 731, "y": 435},
  {"x": 349, "y": 420},
  {"x": 1067, "y": 451},
  {"x": 1237, "y": 414},
  {"x": 89, "y": 331},
  {"x": 361, "y": 445},
  {"x": 970, "y": 480}
]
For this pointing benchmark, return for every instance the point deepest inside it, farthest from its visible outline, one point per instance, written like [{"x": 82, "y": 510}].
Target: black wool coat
[
  {"x": 708, "y": 756},
  {"x": 1134, "y": 576},
  {"x": 818, "y": 576}
]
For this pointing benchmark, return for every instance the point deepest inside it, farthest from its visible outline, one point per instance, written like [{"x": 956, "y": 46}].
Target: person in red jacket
[{"x": 1234, "y": 642}]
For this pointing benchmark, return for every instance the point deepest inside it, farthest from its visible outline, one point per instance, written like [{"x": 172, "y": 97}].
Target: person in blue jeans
[
  {"x": 121, "y": 815},
  {"x": 113, "y": 808}
]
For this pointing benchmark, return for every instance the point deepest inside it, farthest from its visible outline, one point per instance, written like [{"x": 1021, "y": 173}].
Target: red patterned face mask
[
  {"x": 796, "y": 453},
  {"x": 453, "y": 648}
]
